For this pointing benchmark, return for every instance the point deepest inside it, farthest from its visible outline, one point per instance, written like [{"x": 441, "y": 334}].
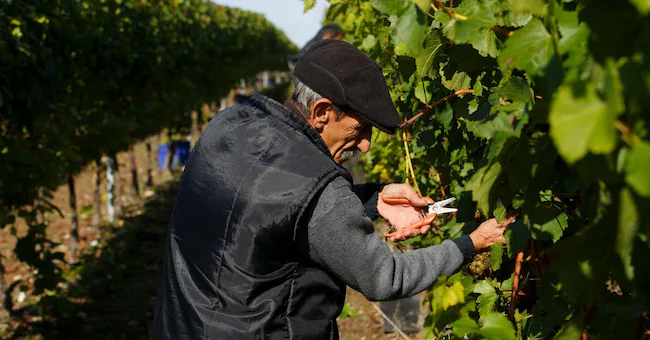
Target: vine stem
[
  {"x": 440, "y": 101},
  {"x": 515, "y": 284},
  {"x": 590, "y": 310},
  {"x": 409, "y": 163},
  {"x": 628, "y": 135}
]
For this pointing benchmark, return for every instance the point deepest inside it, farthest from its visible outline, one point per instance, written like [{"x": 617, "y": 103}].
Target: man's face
[{"x": 347, "y": 137}]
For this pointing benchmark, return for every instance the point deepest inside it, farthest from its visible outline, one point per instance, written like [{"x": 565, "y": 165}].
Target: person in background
[
  {"x": 331, "y": 31},
  {"x": 267, "y": 231}
]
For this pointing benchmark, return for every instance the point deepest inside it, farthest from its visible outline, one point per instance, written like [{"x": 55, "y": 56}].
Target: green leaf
[
  {"x": 580, "y": 123},
  {"x": 549, "y": 224},
  {"x": 496, "y": 326},
  {"x": 636, "y": 169},
  {"x": 369, "y": 42},
  {"x": 459, "y": 80},
  {"x": 628, "y": 226},
  {"x": 432, "y": 49},
  {"x": 642, "y": 5},
  {"x": 474, "y": 27},
  {"x": 464, "y": 326},
  {"x": 613, "y": 88},
  {"x": 309, "y": 4},
  {"x": 573, "y": 33},
  {"x": 423, "y": 5},
  {"x": 409, "y": 28},
  {"x": 529, "y": 49},
  {"x": 423, "y": 91},
  {"x": 570, "y": 331},
  {"x": 500, "y": 212},
  {"x": 496, "y": 256},
  {"x": 391, "y": 6},
  {"x": 536, "y": 7},
  {"x": 488, "y": 297},
  {"x": 517, "y": 237},
  {"x": 481, "y": 186},
  {"x": 490, "y": 126}
]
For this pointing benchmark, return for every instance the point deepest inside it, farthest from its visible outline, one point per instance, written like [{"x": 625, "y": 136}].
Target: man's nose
[{"x": 364, "y": 141}]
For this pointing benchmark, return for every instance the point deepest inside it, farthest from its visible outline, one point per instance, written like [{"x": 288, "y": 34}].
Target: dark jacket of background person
[{"x": 232, "y": 269}]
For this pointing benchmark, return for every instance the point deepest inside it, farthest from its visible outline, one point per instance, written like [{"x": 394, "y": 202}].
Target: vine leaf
[
  {"x": 464, "y": 326},
  {"x": 496, "y": 326},
  {"x": 432, "y": 48},
  {"x": 628, "y": 225},
  {"x": 574, "y": 33},
  {"x": 481, "y": 185},
  {"x": 529, "y": 49},
  {"x": 409, "y": 29},
  {"x": 570, "y": 330},
  {"x": 453, "y": 295},
  {"x": 474, "y": 27},
  {"x": 517, "y": 237},
  {"x": 496, "y": 256},
  {"x": 642, "y": 5},
  {"x": 391, "y": 6},
  {"x": 581, "y": 123},
  {"x": 549, "y": 224},
  {"x": 423, "y": 91},
  {"x": 636, "y": 168},
  {"x": 309, "y": 4},
  {"x": 488, "y": 296},
  {"x": 369, "y": 42}
]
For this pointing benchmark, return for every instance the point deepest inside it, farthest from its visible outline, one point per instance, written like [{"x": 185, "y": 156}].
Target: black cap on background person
[{"x": 331, "y": 31}]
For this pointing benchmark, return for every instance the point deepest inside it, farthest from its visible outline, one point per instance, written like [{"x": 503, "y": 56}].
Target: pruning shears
[{"x": 429, "y": 212}]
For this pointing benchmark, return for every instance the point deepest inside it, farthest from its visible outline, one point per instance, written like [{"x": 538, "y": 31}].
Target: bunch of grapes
[{"x": 480, "y": 264}]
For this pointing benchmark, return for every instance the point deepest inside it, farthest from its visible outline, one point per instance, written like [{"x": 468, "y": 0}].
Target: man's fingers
[
  {"x": 413, "y": 197},
  {"x": 425, "y": 229}
]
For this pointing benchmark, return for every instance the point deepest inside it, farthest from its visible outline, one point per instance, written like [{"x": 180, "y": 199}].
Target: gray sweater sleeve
[{"x": 343, "y": 241}]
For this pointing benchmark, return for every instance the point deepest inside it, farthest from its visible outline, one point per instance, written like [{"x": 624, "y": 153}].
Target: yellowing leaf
[
  {"x": 16, "y": 32},
  {"x": 309, "y": 4},
  {"x": 453, "y": 295},
  {"x": 581, "y": 123}
]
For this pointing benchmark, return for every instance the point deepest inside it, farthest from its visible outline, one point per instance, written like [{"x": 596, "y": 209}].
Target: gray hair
[{"x": 303, "y": 97}]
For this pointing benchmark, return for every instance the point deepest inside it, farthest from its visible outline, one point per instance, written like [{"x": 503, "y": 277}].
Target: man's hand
[
  {"x": 401, "y": 216},
  {"x": 489, "y": 233}
]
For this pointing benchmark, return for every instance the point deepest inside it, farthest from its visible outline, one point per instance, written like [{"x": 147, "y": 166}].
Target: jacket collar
[{"x": 292, "y": 116}]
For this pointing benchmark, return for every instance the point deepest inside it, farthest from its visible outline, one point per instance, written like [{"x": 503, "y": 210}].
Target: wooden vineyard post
[
  {"x": 148, "y": 142},
  {"x": 97, "y": 199},
  {"x": 134, "y": 172},
  {"x": 74, "y": 231},
  {"x": 110, "y": 190}
]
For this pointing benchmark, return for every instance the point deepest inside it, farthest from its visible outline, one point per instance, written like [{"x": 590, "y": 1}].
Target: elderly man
[{"x": 267, "y": 232}]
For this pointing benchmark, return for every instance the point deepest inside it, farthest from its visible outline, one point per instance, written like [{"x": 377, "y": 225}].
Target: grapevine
[{"x": 537, "y": 107}]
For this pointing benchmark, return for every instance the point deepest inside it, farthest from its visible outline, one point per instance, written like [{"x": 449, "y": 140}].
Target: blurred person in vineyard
[
  {"x": 331, "y": 31},
  {"x": 267, "y": 230}
]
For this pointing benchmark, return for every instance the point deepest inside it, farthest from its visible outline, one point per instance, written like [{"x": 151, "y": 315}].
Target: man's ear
[{"x": 322, "y": 112}]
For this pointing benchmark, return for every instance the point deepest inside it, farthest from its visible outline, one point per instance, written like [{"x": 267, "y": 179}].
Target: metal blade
[
  {"x": 445, "y": 202},
  {"x": 446, "y": 210}
]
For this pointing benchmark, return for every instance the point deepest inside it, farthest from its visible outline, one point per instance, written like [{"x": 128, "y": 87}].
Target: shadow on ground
[{"x": 114, "y": 293}]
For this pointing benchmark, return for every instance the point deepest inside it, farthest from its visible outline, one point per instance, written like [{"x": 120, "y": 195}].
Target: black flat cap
[{"x": 342, "y": 73}]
